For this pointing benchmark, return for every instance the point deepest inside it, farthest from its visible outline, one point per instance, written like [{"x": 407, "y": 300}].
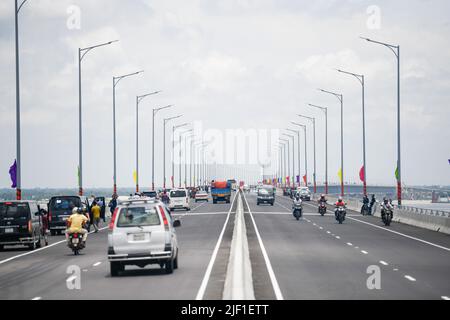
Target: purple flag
[
  {"x": 13, "y": 174},
  {"x": 298, "y": 179}
]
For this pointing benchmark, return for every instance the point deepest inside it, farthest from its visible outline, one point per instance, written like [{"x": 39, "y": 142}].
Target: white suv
[
  {"x": 179, "y": 199},
  {"x": 141, "y": 233}
]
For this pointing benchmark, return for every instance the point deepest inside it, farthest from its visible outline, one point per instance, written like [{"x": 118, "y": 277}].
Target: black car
[
  {"x": 60, "y": 209},
  {"x": 20, "y": 224},
  {"x": 265, "y": 195}
]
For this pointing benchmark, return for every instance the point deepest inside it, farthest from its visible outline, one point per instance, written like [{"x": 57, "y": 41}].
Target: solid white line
[
  {"x": 395, "y": 269},
  {"x": 349, "y": 243},
  {"x": 410, "y": 278},
  {"x": 202, "y": 289},
  {"x": 273, "y": 279},
  {"x": 337, "y": 237},
  {"x": 97, "y": 264},
  {"x": 40, "y": 249},
  {"x": 402, "y": 234},
  {"x": 384, "y": 263},
  {"x": 445, "y": 298},
  {"x": 365, "y": 252},
  {"x": 36, "y": 298}
]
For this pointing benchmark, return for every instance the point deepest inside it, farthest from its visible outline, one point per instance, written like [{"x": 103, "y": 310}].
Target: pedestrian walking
[{"x": 95, "y": 211}]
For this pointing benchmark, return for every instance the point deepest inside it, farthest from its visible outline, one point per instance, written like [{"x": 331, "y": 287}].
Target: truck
[{"x": 221, "y": 191}]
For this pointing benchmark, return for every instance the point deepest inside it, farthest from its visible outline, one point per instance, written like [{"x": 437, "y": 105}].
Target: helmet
[
  {"x": 340, "y": 199},
  {"x": 75, "y": 210},
  {"x": 322, "y": 195}
]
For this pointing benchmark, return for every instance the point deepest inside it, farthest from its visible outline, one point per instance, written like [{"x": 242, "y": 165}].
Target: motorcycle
[
  {"x": 297, "y": 210},
  {"x": 340, "y": 214},
  {"x": 322, "y": 208},
  {"x": 387, "y": 216},
  {"x": 365, "y": 209},
  {"x": 76, "y": 243}
]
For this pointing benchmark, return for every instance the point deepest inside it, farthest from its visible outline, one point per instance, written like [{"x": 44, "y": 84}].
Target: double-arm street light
[
  {"x": 116, "y": 80},
  {"x": 290, "y": 136},
  {"x": 166, "y": 120},
  {"x": 81, "y": 53},
  {"x": 188, "y": 136},
  {"x": 360, "y": 78},
  {"x": 138, "y": 100},
  {"x": 314, "y": 146},
  {"x": 298, "y": 151},
  {"x": 324, "y": 109},
  {"x": 155, "y": 111},
  {"x": 396, "y": 51},
  {"x": 288, "y": 143},
  {"x": 306, "y": 150},
  {"x": 341, "y": 99},
  {"x": 173, "y": 151}
]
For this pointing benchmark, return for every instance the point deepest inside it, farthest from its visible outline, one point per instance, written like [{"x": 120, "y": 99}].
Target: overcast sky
[{"x": 249, "y": 64}]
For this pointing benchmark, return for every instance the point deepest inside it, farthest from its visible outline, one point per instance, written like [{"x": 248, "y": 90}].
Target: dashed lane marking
[{"x": 410, "y": 278}]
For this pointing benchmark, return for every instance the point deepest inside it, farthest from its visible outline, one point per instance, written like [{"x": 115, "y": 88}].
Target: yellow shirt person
[
  {"x": 95, "y": 210},
  {"x": 76, "y": 222}
]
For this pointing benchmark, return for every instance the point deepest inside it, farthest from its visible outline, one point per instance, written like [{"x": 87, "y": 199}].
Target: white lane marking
[
  {"x": 445, "y": 298},
  {"x": 410, "y": 278},
  {"x": 314, "y": 224},
  {"x": 337, "y": 237},
  {"x": 321, "y": 228},
  {"x": 403, "y": 235},
  {"x": 395, "y": 269},
  {"x": 40, "y": 249},
  {"x": 365, "y": 252},
  {"x": 36, "y": 298},
  {"x": 349, "y": 243},
  {"x": 273, "y": 279},
  {"x": 197, "y": 214},
  {"x": 97, "y": 264},
  {"x": 199, "y": 206},
  {"x": 356, "y": 247},
  {"x": 202, "y": 289},
  {"x": 328, "y": 232},
  {"x": 384, "y": 263}
]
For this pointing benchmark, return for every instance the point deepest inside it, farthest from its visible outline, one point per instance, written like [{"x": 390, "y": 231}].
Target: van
[
  {"x": 179, "y": 199},
  {"x": 20, "y": 224},
  {"x": 60, "y": 209}
]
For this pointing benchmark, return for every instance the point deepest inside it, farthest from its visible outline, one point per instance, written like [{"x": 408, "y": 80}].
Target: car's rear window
[
  {"x": 178, "y": 194},
  {"x": 64, "y": 203},
  {"x": 151, "y": 194},
  {"x": 138, "y": 217},
  {"x": 14, "y": 210}
]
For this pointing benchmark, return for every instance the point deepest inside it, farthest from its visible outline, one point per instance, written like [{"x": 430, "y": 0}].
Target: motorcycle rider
[
  {"x": 322, "y": 200},
  {"x": 339, "y": 203},
  {"x": 75, "y": 224},
  {"x": 385, "y": 206},
  {"x": 297, "y": 201},
  {"x": 372, "y": 203}
]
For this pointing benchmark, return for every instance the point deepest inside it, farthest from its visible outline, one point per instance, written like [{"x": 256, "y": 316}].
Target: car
[
  {"x": 305, "y": 193},
  {"x": 179, "y": 199},
  {"x": 20, "y": 224},
  {"x": 142, "y": 232},
  {"x": 60, "y": 209},
  {"x": 265, "y": 195},
  {"x": 151, "y": 194},
  {"x": 201, "y": 196}
]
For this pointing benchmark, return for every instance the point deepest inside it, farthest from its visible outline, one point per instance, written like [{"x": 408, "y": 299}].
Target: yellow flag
[
  {"x": 135, "y": 176},
  {"x": 340, "y": 175}
]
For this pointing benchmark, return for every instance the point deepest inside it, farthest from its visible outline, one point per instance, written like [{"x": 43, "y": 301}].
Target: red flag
[
  {"x": 361, "y": 174},
  {"x": 304, "y": 179}
]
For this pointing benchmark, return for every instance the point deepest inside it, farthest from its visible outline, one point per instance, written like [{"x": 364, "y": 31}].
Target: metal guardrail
[{"x": 429, "y": 212}]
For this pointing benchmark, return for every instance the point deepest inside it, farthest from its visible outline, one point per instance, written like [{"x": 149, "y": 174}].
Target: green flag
[
  {"x": 78, "y": 174},
  {"x": 396, "y": 173}
]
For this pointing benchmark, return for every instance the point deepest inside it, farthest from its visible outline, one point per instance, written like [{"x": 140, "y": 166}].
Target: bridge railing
[{"x": 430, "y": 212}]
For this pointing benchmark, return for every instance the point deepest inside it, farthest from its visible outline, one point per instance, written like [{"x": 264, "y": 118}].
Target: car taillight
[
  {"x": 75, "y": 235},
  {"x": 30, "y": 226},
  {"x": 113, "y": 219},
  {"x": 49, "y": 216},
  {"x": 163, "y": 215}
]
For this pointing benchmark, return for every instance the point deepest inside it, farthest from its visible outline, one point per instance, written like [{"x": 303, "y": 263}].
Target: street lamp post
[
  {"x": 287, "y": 141},
  {"x": 306, "y": 150},
  {"x": 179, "y": 154},
  {"x": 341, "y": 99},
  {"x": 155, "y": 111},
  {"x": 81, "y": 53},
  {"x": 116, "y": 80},
  {"x": 293, "y": 154},
  {"x": 173, "y": 150},
  {"x": 189, "y": 136},
  {"x": 360, "y": 78},
  {"x": 166, "y": 120},
  {"x": 138, "y": 100},
  {"x": 314, "y": 143},
  {"x": 396, "y": 51},
  {"x": 17, "y": 8},
  {"x": 298, "y": 152},
  {"x": 324, "y": 109}
]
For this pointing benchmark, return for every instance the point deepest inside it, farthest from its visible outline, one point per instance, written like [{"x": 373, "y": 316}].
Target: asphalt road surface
[{"x": 314, "y": 258}]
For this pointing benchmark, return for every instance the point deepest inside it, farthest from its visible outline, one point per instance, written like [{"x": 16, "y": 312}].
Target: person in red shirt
[{"x": 339, "y": 203}]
